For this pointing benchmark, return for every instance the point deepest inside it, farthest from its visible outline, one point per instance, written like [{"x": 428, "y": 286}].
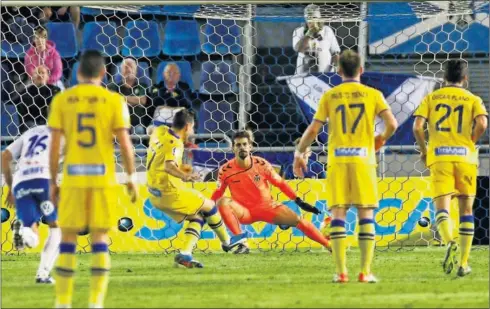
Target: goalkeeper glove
[{"x": 307, "y": 207}]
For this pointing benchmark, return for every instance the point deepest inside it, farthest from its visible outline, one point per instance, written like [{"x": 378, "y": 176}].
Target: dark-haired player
[
  {"x": 249, "y": 178},
  {"x": 88, "y": 116},
  {"x": 169, "y": 193},
  {"x": 456, "y": 120}
]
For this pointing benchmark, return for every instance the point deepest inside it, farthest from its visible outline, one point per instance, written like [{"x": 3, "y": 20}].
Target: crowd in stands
[{"x": 50, "y": 66}]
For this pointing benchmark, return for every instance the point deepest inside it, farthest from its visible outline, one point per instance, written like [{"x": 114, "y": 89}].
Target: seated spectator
[
  {"x": 315, "y": 168},
  {"x": 59, "y": 13},
  {"x": 44, "y": 53},
  {"x": 170, "y": 95},
  {"x": 32, "y": 104},
  {"x": 135, "y": 94}
]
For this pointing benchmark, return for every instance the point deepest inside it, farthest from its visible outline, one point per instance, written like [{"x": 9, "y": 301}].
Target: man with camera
[{"x": 315, "y": 43}]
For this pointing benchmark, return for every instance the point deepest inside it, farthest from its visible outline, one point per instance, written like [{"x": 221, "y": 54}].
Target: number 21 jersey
[
  {"x": 88, "y": 115},
  {"x": 450, "y": 112}
]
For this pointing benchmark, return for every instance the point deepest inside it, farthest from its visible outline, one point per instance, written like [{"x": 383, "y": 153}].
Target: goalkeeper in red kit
[{"x": 248, "y": 178}]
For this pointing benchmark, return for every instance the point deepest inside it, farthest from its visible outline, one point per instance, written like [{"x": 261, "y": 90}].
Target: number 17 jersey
[
  {"x": 351, "y": 109},
  {"x": 450, "y": 112},
  {"x": 88, "y": 115}
]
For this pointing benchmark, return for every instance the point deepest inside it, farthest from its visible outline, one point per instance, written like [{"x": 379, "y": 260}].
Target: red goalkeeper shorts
[{"x": 262, "y": 213}]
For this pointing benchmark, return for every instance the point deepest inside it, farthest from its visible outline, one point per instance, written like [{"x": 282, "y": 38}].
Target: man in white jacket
[{"x": 316, "y": 44}]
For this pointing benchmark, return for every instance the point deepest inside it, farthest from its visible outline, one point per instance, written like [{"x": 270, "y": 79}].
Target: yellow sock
[
  {"x": 367, "y": 240},
  {"x": 443, "y": 222},
  {"x": 192, "y": 235},
  {"x": 101, "y": 265},
  {"x": 466, "y": 231},
  {"x": 65, "y": 270},
  {"x": 213, "y": 218},
  {"x": 339, "y": 244}
]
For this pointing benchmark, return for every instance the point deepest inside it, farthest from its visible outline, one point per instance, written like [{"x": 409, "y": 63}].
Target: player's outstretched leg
[
  {"x": 65, "y": 270},
  {"x": 49, "y": 254},
  {"x": 101, "y": 265},
  {"x": 466, "y": 232},
  {"x": 210, "y": 212},
  {"x": 367, "y": 239},
  {"x": 444, "y": 227},
  {"x": 192, "y": 235},
  {"x": 285, "y": 216}
]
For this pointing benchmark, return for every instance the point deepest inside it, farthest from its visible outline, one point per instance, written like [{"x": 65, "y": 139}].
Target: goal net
[{"x": 244, "y": 66}]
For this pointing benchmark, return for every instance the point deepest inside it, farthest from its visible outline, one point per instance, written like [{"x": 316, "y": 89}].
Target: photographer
[{"x": 316, "y": 44}]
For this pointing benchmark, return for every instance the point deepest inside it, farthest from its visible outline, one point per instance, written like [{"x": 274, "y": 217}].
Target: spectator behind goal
[
  {"x": 170, "y": 95},
  {"x": 316, "y": 44},
  {"x": 43, "y": 52},
  {"x": 135, "y": 94},
  {"x": 34, "y": 102}
]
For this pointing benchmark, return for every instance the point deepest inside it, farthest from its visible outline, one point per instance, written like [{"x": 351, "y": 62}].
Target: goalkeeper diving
[{"x": 249, "y": 178}]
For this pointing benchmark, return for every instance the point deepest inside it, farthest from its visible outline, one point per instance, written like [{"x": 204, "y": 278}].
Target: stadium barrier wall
[{"x": 404, "y": 201}]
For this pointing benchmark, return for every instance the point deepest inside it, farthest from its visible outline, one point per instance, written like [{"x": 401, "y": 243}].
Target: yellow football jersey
[
  {"x": 450, "y": 112},
  {"x": 350, "y": 109},
  {"x": 88, "y": 115},
  {"x": 165, "y": 145}
]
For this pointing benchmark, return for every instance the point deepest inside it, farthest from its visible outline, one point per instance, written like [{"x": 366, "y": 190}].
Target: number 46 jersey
[
  {"x": 32, "y": 155},
  {"x": 450, "y": 112},
  {"x": 88, "y": 115}
]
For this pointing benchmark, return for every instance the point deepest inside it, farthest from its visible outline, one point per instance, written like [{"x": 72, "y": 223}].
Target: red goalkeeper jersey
[{"x": 251, "y": 187}]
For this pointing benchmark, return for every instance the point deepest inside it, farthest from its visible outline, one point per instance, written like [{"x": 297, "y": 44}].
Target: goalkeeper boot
[
  {"x": 186, "y": 261},
  {"x": 464, "y": 271},
  {"x": 235, "y": 240},
  {"x": 450, "y": 258},
  {"x": 367, "y": 278},
  {"x": 17, "y": 231},
  {"x": 340, "y": 278},
  {"x": 242, "y": 249}
]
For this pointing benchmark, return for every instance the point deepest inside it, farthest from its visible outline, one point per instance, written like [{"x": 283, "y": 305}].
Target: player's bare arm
[
  {"x": 300, "y": 163},
  {"x": 418, "y": 132},
  {"x": 54, "y": 159},
  {"x": 124, "y": 140},
  {"x": 172, "y": 169},
  {"x": 390, "y": 127},
  {"x": 481, "y": 124},
  {"x": 7, "y": 174}
]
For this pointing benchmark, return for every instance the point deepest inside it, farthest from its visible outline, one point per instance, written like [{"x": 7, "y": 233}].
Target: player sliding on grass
[
  {"x": 248, "y": 178},
  {"x": 169, "y": 193},
  {"x": 350, "y": 109},
  {"x": 456, "y": 120}
]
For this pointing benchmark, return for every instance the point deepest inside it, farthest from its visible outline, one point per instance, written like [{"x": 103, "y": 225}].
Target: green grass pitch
[{"x": 407, "y": 279}]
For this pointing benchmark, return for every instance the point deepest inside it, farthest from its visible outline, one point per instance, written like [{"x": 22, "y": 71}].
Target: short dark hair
[
  {"x": 350, "y": 63},
  {"x": 91, "y": 63},
  {"x": 243, "y": 134},
  {"x": 182, "y": 118},
  {"x": 455, "y": 71}
]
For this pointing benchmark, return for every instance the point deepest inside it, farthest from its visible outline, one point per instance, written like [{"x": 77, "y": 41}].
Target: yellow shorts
[
  {"x": 352, "y": 184},
  {"x": 178, "y": 206},
  {"x": 453, "y": 178},
  {"x": 92, "y": 208}
]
